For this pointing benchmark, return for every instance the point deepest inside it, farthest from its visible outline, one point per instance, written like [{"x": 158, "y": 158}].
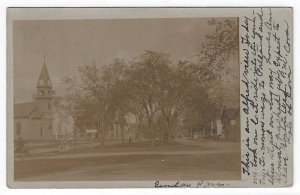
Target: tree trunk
[
  {"x": 75, "y": 134},
  {"x": 103, "y": 135},
  {"x": 123, "y": 133},
  {"x": 101, "y": 130},
  {"x": 191, "y": 129},
  {"x": 151, "y": 134}
]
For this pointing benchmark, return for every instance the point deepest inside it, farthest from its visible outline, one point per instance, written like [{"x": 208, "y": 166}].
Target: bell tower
[{"x": 44, "y": 88}]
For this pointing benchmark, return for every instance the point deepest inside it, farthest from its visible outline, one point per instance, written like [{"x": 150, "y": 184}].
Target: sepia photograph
[{"x": 142, "y": 99}]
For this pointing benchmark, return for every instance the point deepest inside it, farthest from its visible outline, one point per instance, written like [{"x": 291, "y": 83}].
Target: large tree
[
  {"x": 156, "y": 92},
  {"x": 216, "y": 57},
  {"x": 119, "y": 95},
  {"x": 145, "y": 76}
]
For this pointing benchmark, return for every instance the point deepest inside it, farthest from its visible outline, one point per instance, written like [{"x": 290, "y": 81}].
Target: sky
[{"x": 69, "y": 44}]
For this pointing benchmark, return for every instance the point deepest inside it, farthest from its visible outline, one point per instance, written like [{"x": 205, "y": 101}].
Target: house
[
  {"x": 231, "y": 124},
  {"x": 122, "y": 129},
  {"x": 34, "y": 120},
  {"x": 63, "y": 125},
  {"x": 217, "y": 128}
]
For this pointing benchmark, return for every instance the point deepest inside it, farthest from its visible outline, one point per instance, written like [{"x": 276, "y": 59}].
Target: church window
[
  {"x": 50, "y": 126},
  {"x": 42, "y": 93},
  {"x": 19, "y": 128},
  {"x": 41, "y": 132}
]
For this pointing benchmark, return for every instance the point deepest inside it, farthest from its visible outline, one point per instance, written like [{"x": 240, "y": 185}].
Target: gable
[{"x": 38, "y": 114}]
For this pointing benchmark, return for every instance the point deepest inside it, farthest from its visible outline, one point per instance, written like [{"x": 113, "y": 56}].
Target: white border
[{"x": 154, "y": 3}]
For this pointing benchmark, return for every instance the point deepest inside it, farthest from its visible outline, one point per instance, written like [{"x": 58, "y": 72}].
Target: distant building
[
  {"x": 231, "y": 124},
  {"x": 34, "y": 120},
  {"x": 217, "y": 128},
  {"x": 63, "y": 125},
  {"x": 122, "y": 129}
]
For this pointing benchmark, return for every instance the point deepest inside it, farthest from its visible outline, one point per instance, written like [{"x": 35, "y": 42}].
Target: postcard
[{"x": 149, "y": 97}]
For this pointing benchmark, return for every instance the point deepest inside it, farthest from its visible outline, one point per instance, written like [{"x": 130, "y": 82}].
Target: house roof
[
  {"x": 24, "y": 109},
  {"x": 38, "y": 114},
  {"x": 231, "y": 113},
  {"x": 31, "y": 110}
]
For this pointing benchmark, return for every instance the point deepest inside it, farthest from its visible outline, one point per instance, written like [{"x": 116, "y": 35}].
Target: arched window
[{"x": 42, "y": 93}]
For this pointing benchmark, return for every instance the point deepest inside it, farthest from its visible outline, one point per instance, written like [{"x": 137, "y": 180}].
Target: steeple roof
[{"x": 44, "y": 78}]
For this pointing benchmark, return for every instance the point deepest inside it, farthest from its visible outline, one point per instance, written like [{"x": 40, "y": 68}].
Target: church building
[{"x": 34, "y": 120}]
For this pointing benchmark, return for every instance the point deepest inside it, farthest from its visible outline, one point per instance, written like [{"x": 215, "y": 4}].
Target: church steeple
[
  {"x": 44, "y": 79},
  {"x": 44, "y": 86}
]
